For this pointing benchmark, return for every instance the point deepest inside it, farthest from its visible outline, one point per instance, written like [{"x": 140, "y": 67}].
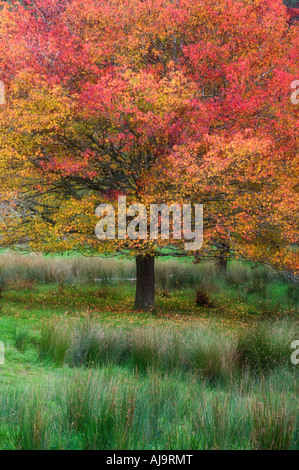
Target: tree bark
[
  {"x": 221, "y": 262},
  {"x": 145, "y": 285}
]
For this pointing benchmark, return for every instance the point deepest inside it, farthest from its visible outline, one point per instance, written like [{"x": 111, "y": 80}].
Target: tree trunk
[
  {"x": 221, "y": 263},
  {"x": 145, "y": 285}
]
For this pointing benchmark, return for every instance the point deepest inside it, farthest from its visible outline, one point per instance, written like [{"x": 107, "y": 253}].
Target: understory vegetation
[
  {"x": 116, "y": 408},
  {"x": 83, "y": 370}
]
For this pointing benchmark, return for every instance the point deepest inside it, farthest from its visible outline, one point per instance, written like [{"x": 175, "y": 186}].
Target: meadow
[{"x": 210, "y": 368}]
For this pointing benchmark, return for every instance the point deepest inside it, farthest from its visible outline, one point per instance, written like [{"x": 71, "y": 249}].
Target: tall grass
[
  {"x": 205, "y": 350},
  {"x": 55, "y": 342},
  {"x": 16, "y": 268},
  {"x": 172, "y": 274},
  {"x": 33, "y": 422},
  {"x": 90, "y": 344},
  {"x": 274, "y": 425},
  {"x": 21, "y": 339},
  {"x": 116, "y": 408},
  {"x": 267, "y": 344},
  {"x": 251, "y": 284},
  {"x": 195, "y": 387},
  {"x": 210, "y": 353},
  {"x": 62, "y": 270}
]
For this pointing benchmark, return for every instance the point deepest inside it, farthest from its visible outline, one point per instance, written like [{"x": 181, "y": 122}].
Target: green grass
[
  {"x": 83, "y": 370},
  {"x": 117, "y": 408},
  {"x": 203, "y": 349}
]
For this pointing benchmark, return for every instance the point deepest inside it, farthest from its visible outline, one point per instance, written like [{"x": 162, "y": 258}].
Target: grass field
[{"x": 84, "y": 370}]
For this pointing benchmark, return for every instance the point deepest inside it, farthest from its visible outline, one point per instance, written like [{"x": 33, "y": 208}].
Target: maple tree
[{"x": 185, "y": 102}]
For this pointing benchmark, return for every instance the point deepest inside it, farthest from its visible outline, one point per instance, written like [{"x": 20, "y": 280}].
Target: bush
[{"x": 203, "y": 292}]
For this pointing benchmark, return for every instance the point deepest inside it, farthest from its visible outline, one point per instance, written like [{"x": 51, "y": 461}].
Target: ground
[{"x": 84, "y": 370}]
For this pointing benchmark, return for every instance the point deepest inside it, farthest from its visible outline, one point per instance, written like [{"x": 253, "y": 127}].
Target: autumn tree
[{"x": 163, "y": 102}]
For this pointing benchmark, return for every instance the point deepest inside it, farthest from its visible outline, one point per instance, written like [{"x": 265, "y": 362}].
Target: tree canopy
[{"x": 160, "y": 101}]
